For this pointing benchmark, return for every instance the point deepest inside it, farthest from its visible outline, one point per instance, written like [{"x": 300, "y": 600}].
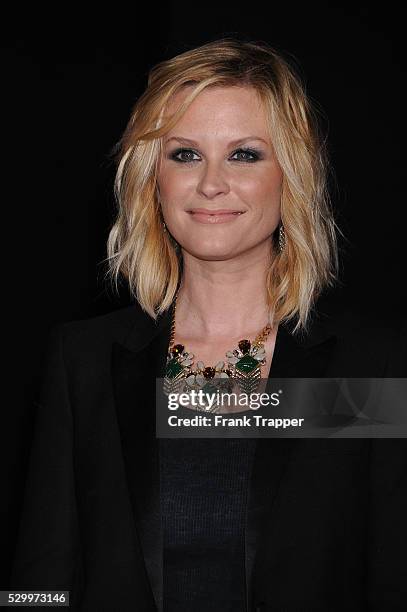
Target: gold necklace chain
[{"x": 260, "y": 338}]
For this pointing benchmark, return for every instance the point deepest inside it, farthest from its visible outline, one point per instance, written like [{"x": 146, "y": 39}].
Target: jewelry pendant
[
  {"x": 247, "y": 361},
  {"x": 245, "y": 367},
  {"x": 177, "y": 369},
  {"x": 180, "y": 378},
  {"x": 210, "y": 379}
]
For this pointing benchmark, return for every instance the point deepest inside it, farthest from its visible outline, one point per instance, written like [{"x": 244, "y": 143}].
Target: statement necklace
[{"x": 242, "y": 366}]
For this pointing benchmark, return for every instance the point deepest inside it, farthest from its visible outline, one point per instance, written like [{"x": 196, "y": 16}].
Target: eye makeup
[{"x": 247, "y": 155}]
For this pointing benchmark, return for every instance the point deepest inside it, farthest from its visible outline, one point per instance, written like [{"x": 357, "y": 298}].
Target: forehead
[{"x": 217, "y": 111}]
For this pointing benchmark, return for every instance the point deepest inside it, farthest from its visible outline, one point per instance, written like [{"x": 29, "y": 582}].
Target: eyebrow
[{"x": 188, "y": 141}]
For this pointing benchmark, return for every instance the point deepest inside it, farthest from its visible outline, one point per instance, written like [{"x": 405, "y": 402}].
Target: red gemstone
[
  {"x": 209, "y": 372},
  {"x": 177, "y": 349},
  {"x": 244, "y": 346}
]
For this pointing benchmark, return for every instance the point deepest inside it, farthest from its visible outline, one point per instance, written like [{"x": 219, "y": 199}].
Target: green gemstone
[
  {"x": 247, "y": 364},
  {"x": 173, "y": 368}
]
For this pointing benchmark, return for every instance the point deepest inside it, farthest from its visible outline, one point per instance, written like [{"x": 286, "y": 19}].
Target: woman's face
[{"x": 219, "y": 157}]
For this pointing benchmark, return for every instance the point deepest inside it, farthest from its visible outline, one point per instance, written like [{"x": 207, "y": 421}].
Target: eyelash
[{"x": 252, "y": 152}]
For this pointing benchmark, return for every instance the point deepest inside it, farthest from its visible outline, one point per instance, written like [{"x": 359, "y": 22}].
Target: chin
[{"x": 213, "y": 254}]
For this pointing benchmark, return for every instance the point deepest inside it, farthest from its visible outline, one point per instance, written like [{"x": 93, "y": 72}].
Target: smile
[{"x": 215, "y": 217}]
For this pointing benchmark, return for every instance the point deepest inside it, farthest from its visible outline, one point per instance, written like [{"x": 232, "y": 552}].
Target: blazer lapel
[
  {"x": 305, "y": 356},
  {"x": 136, "y": 364}
]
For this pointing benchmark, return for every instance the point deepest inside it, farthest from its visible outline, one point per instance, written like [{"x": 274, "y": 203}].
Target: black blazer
[{"x": 326, "y": 527}]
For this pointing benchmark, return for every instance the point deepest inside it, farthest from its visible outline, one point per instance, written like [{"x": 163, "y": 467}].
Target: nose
[{"x": 213, "y": 181}]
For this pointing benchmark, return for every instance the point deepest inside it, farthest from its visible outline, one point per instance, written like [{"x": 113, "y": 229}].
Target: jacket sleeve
[
  {"x": 387, "y": 534},
  {"x": 47, "y": 554}
]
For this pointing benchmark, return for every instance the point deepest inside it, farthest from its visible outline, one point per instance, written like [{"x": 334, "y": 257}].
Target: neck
[{"x": 223, "y": 298}]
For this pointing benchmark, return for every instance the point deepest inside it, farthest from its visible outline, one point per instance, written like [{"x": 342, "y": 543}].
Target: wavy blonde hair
[{"x": 148, "y": 258}]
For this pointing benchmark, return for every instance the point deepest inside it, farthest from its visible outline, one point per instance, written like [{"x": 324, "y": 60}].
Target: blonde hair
[{"x": 147, "y": 256}]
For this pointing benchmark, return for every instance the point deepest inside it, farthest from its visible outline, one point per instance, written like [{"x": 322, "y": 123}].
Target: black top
[{"x": 203, "y": 500}]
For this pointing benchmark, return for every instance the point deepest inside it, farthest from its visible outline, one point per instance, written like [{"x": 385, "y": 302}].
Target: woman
[{"x": 224, "y": 233}]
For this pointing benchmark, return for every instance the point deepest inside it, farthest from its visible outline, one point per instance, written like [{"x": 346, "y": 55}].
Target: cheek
[
  {"x": 174, "y": 196},
  {"x": 172, "y": 185},
  {"x": 263, "y": 190}
]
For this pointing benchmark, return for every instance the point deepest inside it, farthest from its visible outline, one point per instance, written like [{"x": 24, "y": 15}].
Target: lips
[
  {"x": 222, "y": 211},
  {"x": 214, "y": 217}
]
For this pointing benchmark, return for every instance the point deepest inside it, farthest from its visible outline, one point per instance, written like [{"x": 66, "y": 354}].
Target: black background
[{"x": 70, "y": 80}]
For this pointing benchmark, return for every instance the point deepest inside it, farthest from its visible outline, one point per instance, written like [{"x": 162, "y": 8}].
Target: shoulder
[
  {"x": 100, "y": 332},
  {"x": 364, "y": 333}
]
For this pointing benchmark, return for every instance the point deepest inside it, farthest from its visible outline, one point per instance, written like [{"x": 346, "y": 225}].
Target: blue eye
[
  {"x": 246, "y": 152},
  {"x": 178, "y": 152},
  {"x": 185, "y": 156}
]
